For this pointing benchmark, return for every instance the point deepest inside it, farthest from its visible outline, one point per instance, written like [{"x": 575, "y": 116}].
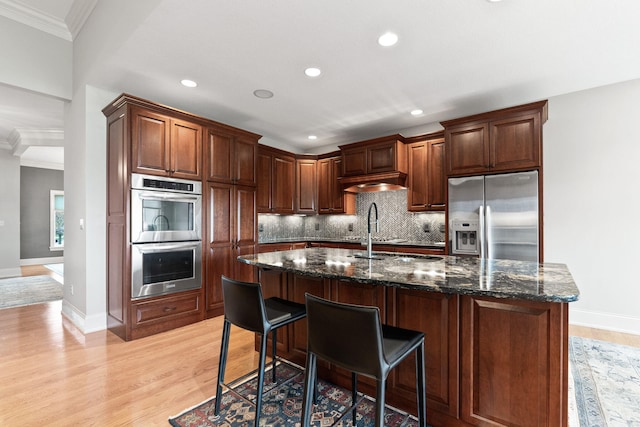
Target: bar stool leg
[
  {"x": 310, "y": 385},
  {"x": 224, "y": 347},
  {"x": 261, "y": 366},
  {"x": 380, "y": 391},
  {"x": 420, "y": 386},
  {"x": 274, "y": 339},
  {"x": 354, "y": 395}
]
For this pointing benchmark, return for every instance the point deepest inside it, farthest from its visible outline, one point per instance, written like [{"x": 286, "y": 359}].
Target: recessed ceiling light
[
  {"x": 312, "y": 137},
  {"x": 188, "y": 83},
  {"x": 416, "y": 112},
  {"x": 494, "y": 1},
  {"x": 263, "y": 93},
  {"x": 388, "y": 39},
  {"x": 313, "y": 72}
]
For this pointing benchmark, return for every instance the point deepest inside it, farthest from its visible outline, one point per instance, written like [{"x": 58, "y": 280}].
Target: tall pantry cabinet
[
  {"x": 144, "y": 137},
  {"x": 231, "y": 213}
]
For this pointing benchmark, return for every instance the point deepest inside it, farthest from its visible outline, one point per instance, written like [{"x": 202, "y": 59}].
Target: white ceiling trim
[
  {"x": 78, "y": 15},
  {"x": 21, "y": 139},
  {"x": 36, "y": 19}
]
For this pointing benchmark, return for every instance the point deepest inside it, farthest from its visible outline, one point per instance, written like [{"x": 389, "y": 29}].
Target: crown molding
[
  {"x": 78, "y": 15},
  {"x": 35, "y": 18},
  {"x": 21, "y": 139}
]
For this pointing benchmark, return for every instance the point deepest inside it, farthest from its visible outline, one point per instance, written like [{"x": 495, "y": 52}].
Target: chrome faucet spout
[{"x": 369, "y": 244}]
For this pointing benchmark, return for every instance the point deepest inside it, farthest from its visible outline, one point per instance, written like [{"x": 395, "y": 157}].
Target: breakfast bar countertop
[{"x": 549, "y": 282}]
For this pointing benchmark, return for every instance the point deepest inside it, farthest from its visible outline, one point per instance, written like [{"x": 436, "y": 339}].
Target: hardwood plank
[{"x": 52, "y": 374}]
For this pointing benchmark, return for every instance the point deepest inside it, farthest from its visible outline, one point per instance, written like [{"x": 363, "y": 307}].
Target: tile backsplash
[{"x": 395, "y": 222}]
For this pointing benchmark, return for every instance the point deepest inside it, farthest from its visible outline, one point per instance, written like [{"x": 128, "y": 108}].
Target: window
[{"x": 56, "y": 232}]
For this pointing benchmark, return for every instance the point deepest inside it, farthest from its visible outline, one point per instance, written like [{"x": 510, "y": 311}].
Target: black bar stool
[
  {"x": 352, "y": 337},
  {"x": 245, "y": 307}
]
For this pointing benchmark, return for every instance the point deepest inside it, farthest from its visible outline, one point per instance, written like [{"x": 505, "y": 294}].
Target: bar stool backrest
[
  {"x": 244, "y": 305},
  {"x": 347, "y": 335}
]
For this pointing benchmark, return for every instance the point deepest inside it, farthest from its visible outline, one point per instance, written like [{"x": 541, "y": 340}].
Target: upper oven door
[{"x": 162, "y": 216}]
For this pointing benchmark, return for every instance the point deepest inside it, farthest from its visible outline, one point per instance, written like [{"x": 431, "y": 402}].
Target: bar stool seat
[
  {"x": 352, "y": 337},
  {"x": 245, "y": 307}
]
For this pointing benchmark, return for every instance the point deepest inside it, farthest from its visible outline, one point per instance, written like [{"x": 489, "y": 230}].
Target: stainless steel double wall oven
[{"x": 166, "y": 237}]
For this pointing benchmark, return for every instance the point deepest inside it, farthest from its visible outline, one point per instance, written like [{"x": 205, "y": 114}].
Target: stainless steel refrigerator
[{"x": 494, "y": 216}]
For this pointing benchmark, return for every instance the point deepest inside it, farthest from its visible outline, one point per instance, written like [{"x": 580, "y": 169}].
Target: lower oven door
[{"x": 165, "y": 268}]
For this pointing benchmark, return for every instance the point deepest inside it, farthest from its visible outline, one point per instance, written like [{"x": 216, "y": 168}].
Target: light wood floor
[{"x": 51, "y": 374}]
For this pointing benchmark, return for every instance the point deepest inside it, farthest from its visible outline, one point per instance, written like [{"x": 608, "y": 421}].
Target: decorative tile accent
[{"x": 394, "y": 219}]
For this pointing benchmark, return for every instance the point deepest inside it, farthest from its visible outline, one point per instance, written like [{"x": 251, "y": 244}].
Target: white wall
[
  {"x": 592, "y": 201},
  {"x": 9, "y": 215}
]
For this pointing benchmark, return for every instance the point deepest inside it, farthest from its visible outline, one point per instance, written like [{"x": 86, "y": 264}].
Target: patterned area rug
[
  {"x": 606, "y": 383},
  {"x": 18, "y": 291},
  {"x": 282, "y": 406}
]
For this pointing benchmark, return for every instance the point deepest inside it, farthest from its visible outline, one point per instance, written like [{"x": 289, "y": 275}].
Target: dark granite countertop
[
  {"x": 447, "y": 274},
  {"x": 356, "y": 240}
]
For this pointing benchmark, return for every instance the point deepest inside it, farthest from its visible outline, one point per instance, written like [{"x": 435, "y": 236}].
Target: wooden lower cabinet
[
  {"x": 489, "y": 361},
  {"x": 436, "y": 315},
  {"x": 513, "y": 362},
  {"x": 152, "y": 315}
]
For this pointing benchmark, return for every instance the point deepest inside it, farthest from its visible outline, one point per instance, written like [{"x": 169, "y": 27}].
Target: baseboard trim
[
  {"x": 606, "y": 321},
  {"x": 86, "y": 324},
  {"x": 38, "y": 261},
  {"x": 10, "y": 272}
]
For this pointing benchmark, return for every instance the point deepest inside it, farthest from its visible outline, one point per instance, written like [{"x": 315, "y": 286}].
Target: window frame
[{"x": 52, "y": 220}]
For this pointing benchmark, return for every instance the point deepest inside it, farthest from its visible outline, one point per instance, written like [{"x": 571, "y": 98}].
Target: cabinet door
[
  {"x": 516, "y": 143},
  {"x": 282, "y": 185},
  {"x": 418, "y": 184},
  {"x": 150, "y": 142},
  {"x": 381, "y": 157},
  {"x": 245, "y": 161},
  {"x": 306, "y": 186},
  {"x": 220, "y": 238},
  {"x": 436, "y": 180},
  {"x": 438, "y": 314},
  {"x": 219, "y": 156},
  {"x": 354, "y": 161},
  {"x": 264, "y": 171},
  {"x": 296, "y": 288},
  {"x": 325, "y": 189},
  {"x": 186, "y": 150},
  {"x": 244, "y": 219},
  {"x": 467, "y": 148},
  {"x": 509, "y": 373}
]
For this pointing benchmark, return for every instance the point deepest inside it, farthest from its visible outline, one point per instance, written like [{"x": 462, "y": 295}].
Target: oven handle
[
  {"x": 160, "y": 195},
  {"x": 150, "y": 248}
]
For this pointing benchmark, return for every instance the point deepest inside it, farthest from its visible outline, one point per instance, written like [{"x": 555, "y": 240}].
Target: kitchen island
[{"x": 496, "y": 331}]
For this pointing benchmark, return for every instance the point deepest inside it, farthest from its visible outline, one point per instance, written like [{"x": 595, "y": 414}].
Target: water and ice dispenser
[{"x": 465, "y": 237}]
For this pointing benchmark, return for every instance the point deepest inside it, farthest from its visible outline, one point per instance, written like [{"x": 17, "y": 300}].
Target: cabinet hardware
[{"x": 168, "y": 309}]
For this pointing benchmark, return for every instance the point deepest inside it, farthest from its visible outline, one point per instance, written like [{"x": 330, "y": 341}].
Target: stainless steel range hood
[{"x": 385, "y": 181}]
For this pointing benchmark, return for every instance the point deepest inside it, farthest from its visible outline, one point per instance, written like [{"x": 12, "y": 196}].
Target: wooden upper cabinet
[
  {"x": 426, "y": 180},
  {"x": 331, "y": 198},
  {"x": 165, "y": 146},
  {"x": 306, "y": 199},
  {"x": 498, "y": 141},
  {"x": 276, "y": 181},
  {"x": 231, "y": 159},
  {"x": 380, "y": 155}
]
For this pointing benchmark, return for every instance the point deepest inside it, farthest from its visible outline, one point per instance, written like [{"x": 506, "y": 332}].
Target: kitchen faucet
[{"x": 375, "y": 207}]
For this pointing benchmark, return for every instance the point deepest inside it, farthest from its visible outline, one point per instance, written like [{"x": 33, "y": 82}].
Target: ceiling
[{"x": 453, "y": 58}]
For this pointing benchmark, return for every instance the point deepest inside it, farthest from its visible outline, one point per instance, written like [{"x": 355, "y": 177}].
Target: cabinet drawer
[{"x": 146, "y": 312}]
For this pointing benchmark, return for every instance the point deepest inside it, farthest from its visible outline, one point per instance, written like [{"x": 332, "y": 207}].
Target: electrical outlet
[
  {"x": 317, "y": 226},
  {"x": 426, "y": 227},
  {"x": 260, "y": 228},
  {"x": 350, "y": 228},
  {"x": 442, "y": 228},
  {"x": 71, "y": 286}
]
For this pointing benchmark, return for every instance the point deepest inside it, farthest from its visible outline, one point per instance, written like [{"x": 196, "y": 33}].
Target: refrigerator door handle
[
  {"x": 481, "y": 231},
  {"x": 488, "y": 232}
]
